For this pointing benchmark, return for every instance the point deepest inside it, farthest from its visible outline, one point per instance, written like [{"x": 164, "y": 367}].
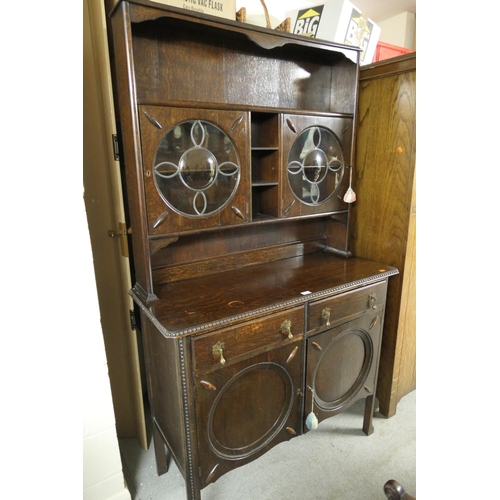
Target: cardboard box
[
  {"x": 338, "y": 21},
  {"x": 220, "y": 8}
]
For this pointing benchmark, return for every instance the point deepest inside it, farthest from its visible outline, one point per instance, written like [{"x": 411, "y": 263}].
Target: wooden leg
[
  {"x": 161, "y": 453},
  {"x": 368, "y": 418}
]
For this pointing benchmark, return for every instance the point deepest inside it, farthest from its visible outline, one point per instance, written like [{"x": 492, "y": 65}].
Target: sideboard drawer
[
  {"x": 329, "y": 312},
  {"x": 239, "y": 341}
]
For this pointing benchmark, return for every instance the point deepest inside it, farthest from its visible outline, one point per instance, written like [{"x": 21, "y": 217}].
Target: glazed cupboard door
[
  {"x": 244, "y": 409},
  {"x": 342, "y": 367},
  {"x": 316, "y": 158},
  {"x": 195, "y": 168}
]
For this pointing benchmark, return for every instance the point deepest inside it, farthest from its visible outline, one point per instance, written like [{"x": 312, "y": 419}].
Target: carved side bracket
[{"x": 157, "y": 245}]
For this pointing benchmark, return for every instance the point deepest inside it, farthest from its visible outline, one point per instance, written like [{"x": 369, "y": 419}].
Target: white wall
[{"x": 399, "y": 30}]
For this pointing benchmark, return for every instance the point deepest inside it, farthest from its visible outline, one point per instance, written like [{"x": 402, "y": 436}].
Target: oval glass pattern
[
  {"x": 196, "y": 168},
  {"x": 240, "y": 401},
  {"x": 315, "y": 165}
]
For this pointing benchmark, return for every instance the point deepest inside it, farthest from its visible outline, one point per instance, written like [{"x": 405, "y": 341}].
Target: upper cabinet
[{"x": 228, "y": 125}]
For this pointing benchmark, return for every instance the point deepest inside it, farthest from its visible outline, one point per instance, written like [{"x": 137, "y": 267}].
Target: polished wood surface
[
  {"x": 255, "y": 405},
  {"x": 246, "y": 339},
  {"x": 342, "y": 367},
  {"x": 229, "y": 301},
  {"x": 336, "y": 310},
  {"x": 127, "y": 126},
  {"x": 216, "y": 300},
  {"x": 383, "y": 218},
  {"x": 163, "y": 55}
]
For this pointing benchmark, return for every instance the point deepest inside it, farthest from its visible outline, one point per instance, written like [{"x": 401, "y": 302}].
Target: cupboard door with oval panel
[
  {"x": 342, "y": 368},
  {"x": 316, "y": 158},
  {"x": 246, "y": 408},
  {"x": 195, "y": 168}
]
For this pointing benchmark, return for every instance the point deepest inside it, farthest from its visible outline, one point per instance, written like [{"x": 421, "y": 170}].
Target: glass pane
[
  {"x": 196, "y": 169},
  {"x": 315, "y": 165}
]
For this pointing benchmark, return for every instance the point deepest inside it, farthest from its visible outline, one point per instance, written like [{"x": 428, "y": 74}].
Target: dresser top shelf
[
  {"x": 146, "y": 10},
  {"x": 200, "y": 304}
]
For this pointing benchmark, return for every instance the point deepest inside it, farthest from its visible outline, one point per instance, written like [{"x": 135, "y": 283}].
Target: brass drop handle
[
  {"x": 286, "y": 328},
  {"x": 325, "y": 314},
  {"x": 218, "y": 350},
  {"x": 372, "y": 300}
]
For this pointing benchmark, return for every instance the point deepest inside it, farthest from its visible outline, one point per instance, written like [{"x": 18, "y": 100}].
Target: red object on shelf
[{"x": 386, "y": 51}]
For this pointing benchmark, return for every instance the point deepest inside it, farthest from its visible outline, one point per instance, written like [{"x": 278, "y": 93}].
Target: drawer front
[
  {"x": 333, "y": 311},
  {"x": 236, "y": 343}
]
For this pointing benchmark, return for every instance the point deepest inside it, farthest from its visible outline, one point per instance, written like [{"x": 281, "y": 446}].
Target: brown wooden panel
[
  {"x": 406, "y": 351},
  {"x": 163, "y": 360},
  {"x": 229, "y": 69},
  {"x": 345, "y": 306},
  {"x": 238, "y": 239},
  {"x": 342, "y": 365},
  {"x": 163, "y": 55},
  {"x": 228, "y": 297},
  {"x": 239, "y": 342},
  {"x": 389, "y": 67},
  {"x": 380, "y": 219},
  {"x": 245, "y": 409},
  {"x": 384, "y": 139},
  {"x": 128, "y": 128},
  {"x": 235, "y": 261}
]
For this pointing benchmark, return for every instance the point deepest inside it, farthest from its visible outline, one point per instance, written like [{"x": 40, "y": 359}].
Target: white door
[{"x": 104, "y": 205}]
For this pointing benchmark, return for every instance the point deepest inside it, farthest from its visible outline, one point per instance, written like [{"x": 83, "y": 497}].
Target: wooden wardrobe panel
[{"x": 383, "y": 217}]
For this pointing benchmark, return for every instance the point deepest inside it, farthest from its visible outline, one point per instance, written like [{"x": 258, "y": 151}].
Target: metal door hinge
[
  {"x": 116, "y": 147},
  {"x": 122, "y": 233},
  {"x": 133, "y": 323}
]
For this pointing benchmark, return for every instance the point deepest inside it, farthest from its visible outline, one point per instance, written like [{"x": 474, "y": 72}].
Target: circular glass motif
[
  {"x": 196, "y": 168},
  {"x": 315, "y": 165}
]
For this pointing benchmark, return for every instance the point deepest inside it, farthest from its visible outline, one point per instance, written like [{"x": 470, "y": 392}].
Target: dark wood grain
[
  {"x": 246, "y": 339},
  {"x": 124, "y": 77},
  {"x": 257, "y": 405},
  {"x": 272, "y": 285},
  {"x": 227, "y": 347},
  {"x": 239, "y": 240},
  {"x": 203, "y": 267},
  {"x": 342, "y": 367},
  {"x": 296, "y": 76},
  {"x": 167, "y": 397},
  {"x": 342, "y": 308},
  {"x": 383, "y": 217}
]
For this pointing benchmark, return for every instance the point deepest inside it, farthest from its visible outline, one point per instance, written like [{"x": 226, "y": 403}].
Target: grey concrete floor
[{"x": 337, "y": 461}]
